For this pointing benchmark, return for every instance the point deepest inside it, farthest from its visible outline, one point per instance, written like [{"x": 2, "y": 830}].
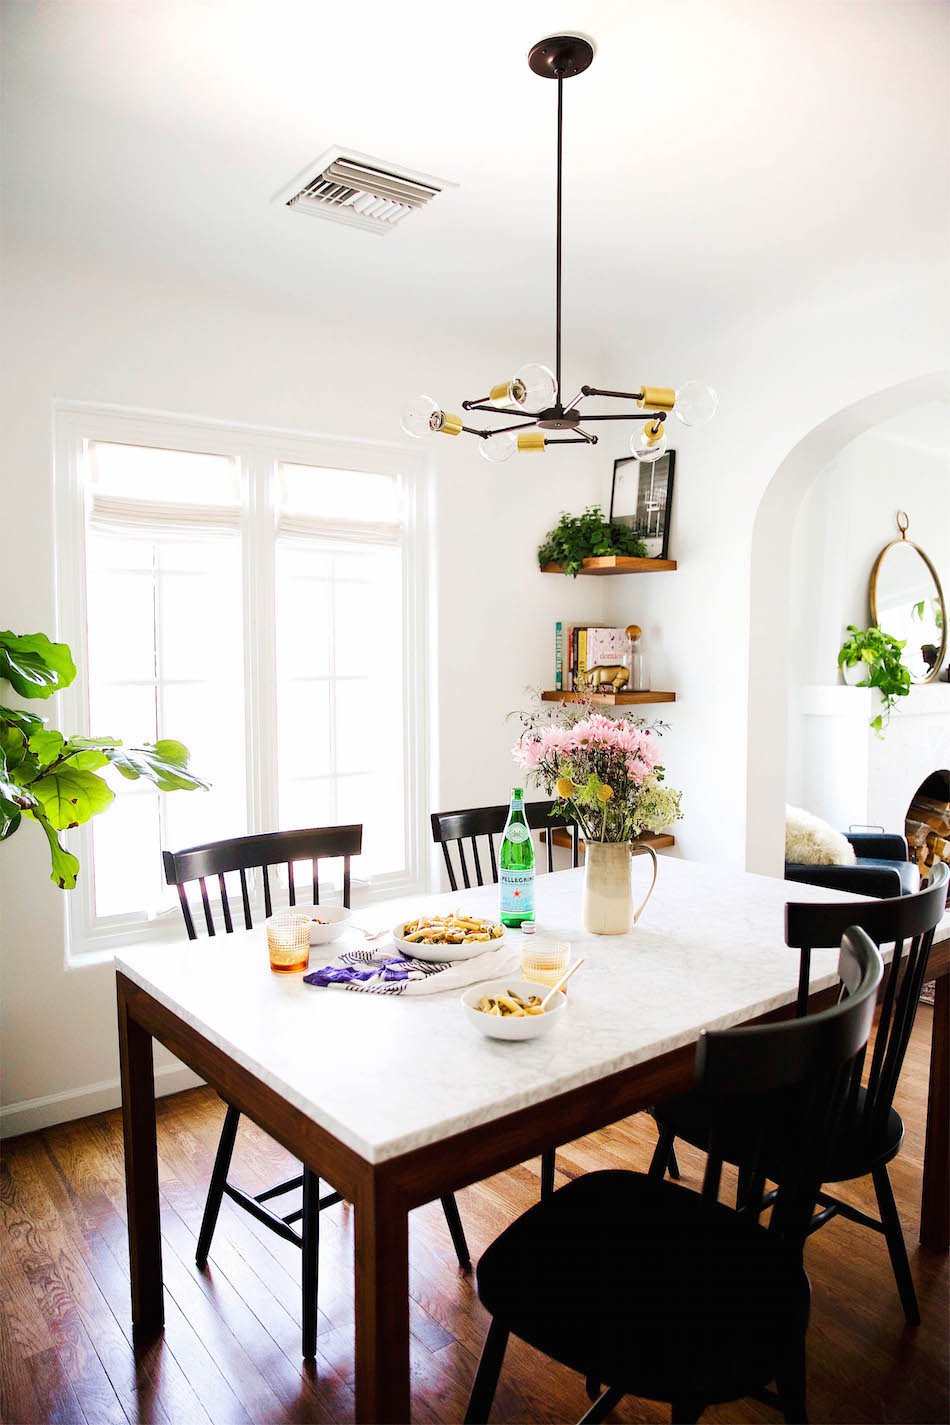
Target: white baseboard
[{"x": 33, "y": 1113}]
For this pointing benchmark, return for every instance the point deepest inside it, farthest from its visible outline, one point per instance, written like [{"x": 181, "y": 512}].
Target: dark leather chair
[{"x": 882, "y": 868}]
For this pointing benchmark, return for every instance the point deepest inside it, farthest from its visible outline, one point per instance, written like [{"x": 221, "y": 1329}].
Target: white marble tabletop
[{"x": 386, "y": 1074}]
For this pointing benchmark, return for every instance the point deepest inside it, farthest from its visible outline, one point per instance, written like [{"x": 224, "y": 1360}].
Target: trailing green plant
[
  {"x": 53, "y": 779},
  {"x": 588, "y": 535},
  {"x": 880, "y": 654}
]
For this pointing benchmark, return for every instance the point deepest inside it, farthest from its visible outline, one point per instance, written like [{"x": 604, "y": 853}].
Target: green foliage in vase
[
  {"x": 880, "y": 654},
  {"x": 53, "y": 779},
  {"x": 586, "y": 536}
]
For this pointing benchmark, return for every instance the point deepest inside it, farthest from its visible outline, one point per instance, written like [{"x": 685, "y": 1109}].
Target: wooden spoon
[{"x": 562, "y": 981}]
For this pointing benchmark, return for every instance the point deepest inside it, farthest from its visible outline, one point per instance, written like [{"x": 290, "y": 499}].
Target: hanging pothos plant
[
  {"x": 53, "y": 779},
  {"x": 879, "y": 656}
]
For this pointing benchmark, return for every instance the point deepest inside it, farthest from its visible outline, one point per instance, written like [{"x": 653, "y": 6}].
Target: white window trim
[{"x": 259, "y": 450}]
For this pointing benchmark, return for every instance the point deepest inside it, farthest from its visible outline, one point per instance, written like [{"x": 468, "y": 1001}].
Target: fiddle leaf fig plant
[
  {"x": 879, "y": 655},
  {"x": 53, "y": 779},
  {"x": 578, "y": 537}
]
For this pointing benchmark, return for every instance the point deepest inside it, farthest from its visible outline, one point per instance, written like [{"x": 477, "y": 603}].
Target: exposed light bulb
[
  {"x": 420, "y": 416},
  {"x": 648, "y": 443},
  {"x": 496, "y": 448},
  {"x": 532, "y": 386},
  {"x": 696, "y": 403}
]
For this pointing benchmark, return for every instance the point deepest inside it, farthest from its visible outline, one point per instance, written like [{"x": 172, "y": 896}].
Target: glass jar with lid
[{"x": 638, "y": 681}]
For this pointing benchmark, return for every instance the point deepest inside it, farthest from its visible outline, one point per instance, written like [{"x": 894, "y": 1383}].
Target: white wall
[{"x": 78, "y": 331}]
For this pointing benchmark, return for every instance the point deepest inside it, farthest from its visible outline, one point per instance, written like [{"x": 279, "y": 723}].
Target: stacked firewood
[{"x": 928, "y": 831}]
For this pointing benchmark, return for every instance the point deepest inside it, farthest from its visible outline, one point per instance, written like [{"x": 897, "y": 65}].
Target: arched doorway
[{"x": 769, "y": 610}]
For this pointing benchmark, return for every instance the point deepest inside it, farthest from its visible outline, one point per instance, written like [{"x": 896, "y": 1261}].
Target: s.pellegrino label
[{"x": 516, "y": 865}]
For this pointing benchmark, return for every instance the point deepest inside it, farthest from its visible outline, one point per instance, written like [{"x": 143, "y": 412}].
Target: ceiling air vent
[{"x": 369, "y": 193}]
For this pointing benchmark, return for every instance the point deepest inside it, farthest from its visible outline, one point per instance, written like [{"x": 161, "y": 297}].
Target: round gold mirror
[{"x": 907, "y": 602}]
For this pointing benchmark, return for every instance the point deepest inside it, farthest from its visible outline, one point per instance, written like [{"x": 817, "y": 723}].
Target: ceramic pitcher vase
[{"x": 608, "y": 893}]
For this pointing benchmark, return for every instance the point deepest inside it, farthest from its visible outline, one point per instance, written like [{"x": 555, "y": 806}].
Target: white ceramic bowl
[
  {"x": 335, "y": 917},
  {"x": 509, "y": 1027},
  {"x": 444, "y": 953}
]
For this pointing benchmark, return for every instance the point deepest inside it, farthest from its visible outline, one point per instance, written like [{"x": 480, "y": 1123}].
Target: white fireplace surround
[{"x": 849, "y": 776}]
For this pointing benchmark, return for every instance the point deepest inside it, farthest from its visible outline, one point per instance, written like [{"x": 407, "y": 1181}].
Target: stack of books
[{"x": 580, "y": 647}]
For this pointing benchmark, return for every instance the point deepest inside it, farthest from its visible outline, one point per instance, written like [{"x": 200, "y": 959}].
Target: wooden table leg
[
  {"x": 935, "y": 1198},
  {"x": 141, "y": 1172},
  {"x": 382, "y": 1306}
]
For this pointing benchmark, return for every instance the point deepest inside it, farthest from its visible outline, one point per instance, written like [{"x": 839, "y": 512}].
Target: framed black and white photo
[{"x": 641, "y": 496}]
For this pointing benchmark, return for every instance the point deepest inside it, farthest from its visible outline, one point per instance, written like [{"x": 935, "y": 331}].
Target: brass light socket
[
  {"x": 658, "y": 398},
  {"x": 653, "y": 430},
  {"x": 499, "y": 392},
  {"x": 531, "y": 440},
  {"x": 451, "y": 425}
]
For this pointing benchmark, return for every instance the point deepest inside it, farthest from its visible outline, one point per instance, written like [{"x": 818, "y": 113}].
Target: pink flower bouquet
[{"x": 604, "y": 772}]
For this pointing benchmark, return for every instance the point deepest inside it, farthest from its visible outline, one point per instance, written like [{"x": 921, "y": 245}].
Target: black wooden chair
[
  {"x": 242, "y": 854},
  {"x": 454, "y": 828},
  {"x": 872, "y": 1130},
  {"x": 667, "y": 1294}
]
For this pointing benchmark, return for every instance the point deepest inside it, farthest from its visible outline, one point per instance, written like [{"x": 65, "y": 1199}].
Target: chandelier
[{"x": 533, "y": 394}]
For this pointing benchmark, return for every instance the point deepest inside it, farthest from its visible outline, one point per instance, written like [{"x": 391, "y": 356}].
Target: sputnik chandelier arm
[{"x": 532, "y": 395}]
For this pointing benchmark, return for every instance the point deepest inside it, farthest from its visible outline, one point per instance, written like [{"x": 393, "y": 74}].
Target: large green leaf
[
  {"x": 46, "y": 745},
  {"x": 9, "y": 790},
  {"x": 10, "y": 817},
  {"x": 12, "y": 744},
  {"x": 69, "y": 796},
  {"x": 90, "y": 753},
  {"x": 27, "y": 722},
  {"x": 164, "y": 762},
  {"x": 34, "y": 666},
  {"x": 65, "y": 866}
]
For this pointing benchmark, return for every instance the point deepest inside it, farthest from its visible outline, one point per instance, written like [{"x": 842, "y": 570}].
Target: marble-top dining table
[{"x": 396, "y": 1101}]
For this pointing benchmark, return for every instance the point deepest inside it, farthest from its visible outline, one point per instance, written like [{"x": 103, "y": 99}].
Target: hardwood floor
[{"x": 230, "y": 1351}]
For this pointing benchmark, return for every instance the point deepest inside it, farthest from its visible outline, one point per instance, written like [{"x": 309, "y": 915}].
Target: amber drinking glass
[
  {"x": 543, "y": 962},
  {"x": 288, "y": 941}
]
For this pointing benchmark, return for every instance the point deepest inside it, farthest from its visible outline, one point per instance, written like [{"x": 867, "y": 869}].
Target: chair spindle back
[
  {"x": 258, "y": 853},
  {"x": 456, "y": 827}
]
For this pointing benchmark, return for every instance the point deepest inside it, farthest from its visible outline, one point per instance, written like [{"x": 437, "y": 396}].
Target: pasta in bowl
[
  {"x": 455, "y": 936},
  {"x": 511, "y": 1009}
]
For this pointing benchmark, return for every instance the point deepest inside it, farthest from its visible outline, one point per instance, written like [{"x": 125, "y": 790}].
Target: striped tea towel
[{"x": 378, "y": 971}]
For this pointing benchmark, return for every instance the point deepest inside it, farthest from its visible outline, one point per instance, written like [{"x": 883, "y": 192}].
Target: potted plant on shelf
[
  {"x": 586, "y": 536},
  {"x": 870, "y": 658},
  {"x": 605, "y": 774},
  {"x": 52, "y": 779}
]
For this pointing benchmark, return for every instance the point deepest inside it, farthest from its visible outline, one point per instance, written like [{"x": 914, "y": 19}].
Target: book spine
[
  {"x": 558, "y": 656},
  {"x": 582, "y": 650},
  {"x": 570, "y": 659}
]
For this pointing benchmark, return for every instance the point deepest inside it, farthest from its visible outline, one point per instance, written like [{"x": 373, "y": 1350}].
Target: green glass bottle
[{"x": 516, "y": 865}]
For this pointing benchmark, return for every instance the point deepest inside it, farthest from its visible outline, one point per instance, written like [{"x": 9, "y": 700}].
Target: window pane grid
[{"x": 176, "y": 544}]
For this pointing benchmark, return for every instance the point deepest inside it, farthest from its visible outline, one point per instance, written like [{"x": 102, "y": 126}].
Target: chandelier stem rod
[
  {"x": 622, "y": 395},
  {"x": 557, "y": 333}
]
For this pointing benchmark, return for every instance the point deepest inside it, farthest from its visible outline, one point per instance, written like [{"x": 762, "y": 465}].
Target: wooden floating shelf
[
  {"x": 608, "y": 700},
  {"x": 660, "y": 842},
  {"x": 616, "y": 564}
]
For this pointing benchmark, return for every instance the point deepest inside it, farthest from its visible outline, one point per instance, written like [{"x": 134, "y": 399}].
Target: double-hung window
[{"x": 261, "y": 598}]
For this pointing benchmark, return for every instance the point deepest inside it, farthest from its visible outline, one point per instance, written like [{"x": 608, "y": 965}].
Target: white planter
[{"x": 859, "y": 673}]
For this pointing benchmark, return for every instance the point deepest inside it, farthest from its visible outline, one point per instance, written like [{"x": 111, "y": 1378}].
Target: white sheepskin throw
[{"x": 809, "y": 841}]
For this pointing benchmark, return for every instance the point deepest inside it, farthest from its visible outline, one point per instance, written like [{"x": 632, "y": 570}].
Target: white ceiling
[{"x": 717, "y": 153}]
